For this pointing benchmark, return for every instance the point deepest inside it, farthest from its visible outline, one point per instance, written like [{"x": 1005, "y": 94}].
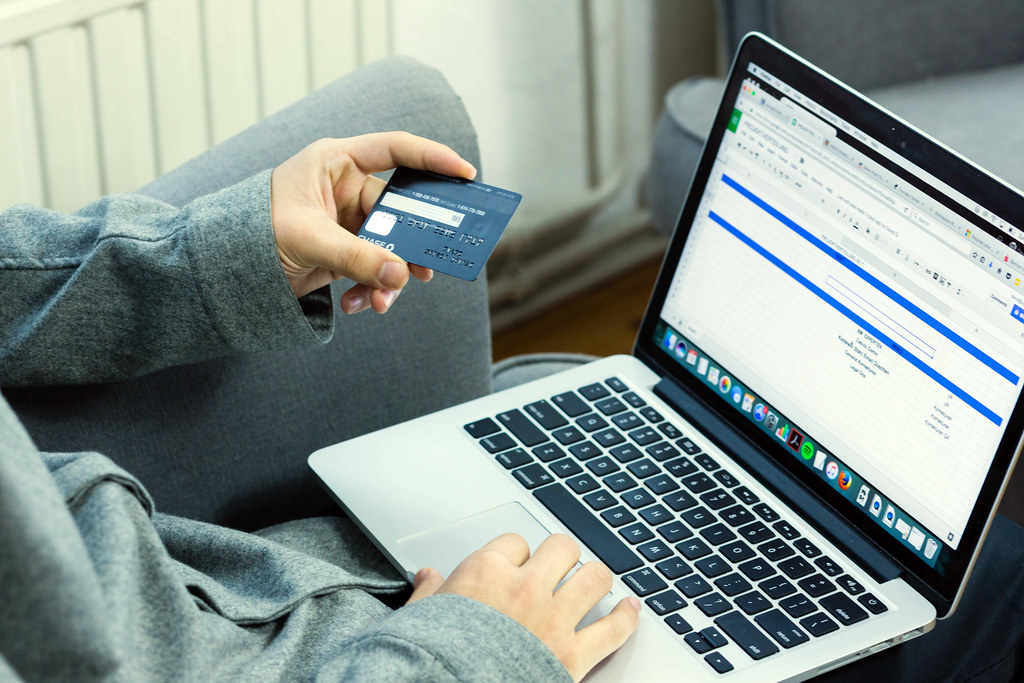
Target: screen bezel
[{"x": 942, "y": 589}]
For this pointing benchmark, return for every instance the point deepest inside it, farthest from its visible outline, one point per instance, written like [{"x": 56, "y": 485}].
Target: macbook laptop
[{"x": 798, "y": 463}]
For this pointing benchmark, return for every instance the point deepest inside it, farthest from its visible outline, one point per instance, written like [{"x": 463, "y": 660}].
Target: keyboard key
[
  {"x": 749, "y": 637},
  {"x": 732, "y": 584},
  {"x": 670, "y": 430},
  {"x": 781, "y": 629},
  {"x": 583, "y": 483},
  {"x": 617, "y": 385},
  {"x": 706, "y": 461},
  {"x": 776, "y": 549},
  {"x": 712, "y": 635},
  {"x": 698, "y": 517},
  {"x": 547, "y": 452},
  {"x": 680, "y": 467},
  {"x": 797, "y": 605},
  {"x": 626, "y": 453},
  {"x": 746, "y": 495},
  {"x": 661, "y": 484},
  {"x": 644, "y": 436},
  {"x": 651, "y": 415},
  {"x": 610, "y": 406},
  {"x": 567, "y": 435},
  {"x": 717, "y": 534},
  {"x": 591, "y": 422},
  {"x": 618, "y": 516},
  {"x": 786, "y": 530},
  {"x": 545, "y": 415},
  {"x": 843, "y": 608},
  {"x": 662, "y": 451},
  {"x": 606, "y": 438},
  {"x": 717, "y": 499},
  {"x": 737, "y": 551},
  {"x": 806, "y": 548},
  {"x": 688, "y": 446},
  {"x": 816, "y": 585},
  {"x": 673, "y": 568},
  {"x": 699, "y": 483},
  {"x": 636, "y": 533},
  {"x": 692, "y": 586},
  {"x": 873, "y": 604},
  {"x": 665, "y": 603},
  {"x": 644, "y": 582},
  {"x": 600, "y": 500},
  {"x": 627, "y": 421},
  {"x": 736, "y": 516},
  {"x": 697, "y": 643},
  {"x": 619, "y": 482},
  {"x": 571, "y": 404},
  {"x": 850, "y": 585},
  {"x": 602, "y": 466},
  {"x": 712, "y": 566},
  {"x": 765, "y": 512},
  {"x": 654, "y": 551},
  {"x": 516, "y": 457},
  {"x": 522, "y": 427},
  {"x": 497, "y": 442},
  {"x": 718, "y": 662},
  {"x": 678, "y": 624},
  {"x": 753, "y": 602},
  {"x": 481, "y": 428},
  {"x": 757, "y": 569},
  {"x": 657, "y": 514},
  {"x": 726, "y": 479},
  {"x": 818, "y": 625},
  {"x": 533, "y": 476},
  {"x": 755, "y": 533},
  {"x": 777, "y": 587},
  {"x": 633, "y": 399},
  {"x": 643, "y": 468},
  {"x": 712, "y": 604},
  {"x": 584, "y": 450},
  {"x": 637, "y": 498},
  {"x": 693, "y": 548},
  {"x": 796, "y": 567},
  {"x": 594, "y": 391},
  {"x": 566, "y": 467},
  {"x": 679, "y": 500},
  {"x": 615, "y": 554},
  {"x": 827, "y": 565}
]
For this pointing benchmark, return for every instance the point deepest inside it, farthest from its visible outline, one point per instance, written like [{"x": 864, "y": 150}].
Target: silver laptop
[{"x": 797, "y": 465}]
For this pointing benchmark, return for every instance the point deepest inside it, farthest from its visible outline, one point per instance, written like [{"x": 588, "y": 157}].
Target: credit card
[{"x": 449, "y": 224}]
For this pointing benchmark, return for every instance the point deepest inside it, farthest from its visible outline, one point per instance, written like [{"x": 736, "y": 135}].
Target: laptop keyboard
[{"x": 679, "y": 529}]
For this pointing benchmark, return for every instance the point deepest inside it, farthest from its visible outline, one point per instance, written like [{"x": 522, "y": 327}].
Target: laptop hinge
[{"x": 782, "y": 484}]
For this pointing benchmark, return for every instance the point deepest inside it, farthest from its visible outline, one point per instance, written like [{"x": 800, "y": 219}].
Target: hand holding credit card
[{"x": 449, "y": 224}]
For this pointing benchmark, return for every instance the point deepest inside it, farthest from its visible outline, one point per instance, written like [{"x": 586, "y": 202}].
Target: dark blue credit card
[{"x": 448, "y": 224}]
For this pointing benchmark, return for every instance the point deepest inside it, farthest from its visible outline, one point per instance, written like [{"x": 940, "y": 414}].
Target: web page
[{"x": 857, "y": 305}]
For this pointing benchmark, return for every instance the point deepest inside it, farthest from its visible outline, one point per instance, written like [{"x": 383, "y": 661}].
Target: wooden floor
[{"x": 601, "y": 323}]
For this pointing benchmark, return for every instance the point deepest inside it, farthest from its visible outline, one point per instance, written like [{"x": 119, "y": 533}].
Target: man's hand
[
  {"x": 321, "y": 196},
  {"x": 503, "y": 575}
]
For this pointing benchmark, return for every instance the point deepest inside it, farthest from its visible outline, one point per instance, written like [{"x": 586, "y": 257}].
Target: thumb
[
  {"x": 425, "y": 584},
  {"x": 332, "y": 247}
]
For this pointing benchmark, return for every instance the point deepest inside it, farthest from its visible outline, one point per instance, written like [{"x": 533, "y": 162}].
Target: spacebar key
[{"x": 587, "y": 528}]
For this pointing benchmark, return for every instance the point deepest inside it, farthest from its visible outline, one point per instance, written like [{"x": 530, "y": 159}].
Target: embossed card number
[{"x": 449, "y": 224}]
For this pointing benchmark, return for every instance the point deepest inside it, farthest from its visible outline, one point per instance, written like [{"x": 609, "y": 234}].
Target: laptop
[{"x": 797, "y": 465}]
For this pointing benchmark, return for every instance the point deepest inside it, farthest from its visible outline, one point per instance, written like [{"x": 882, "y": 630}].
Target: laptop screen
[{"x": 863, "y": 314}]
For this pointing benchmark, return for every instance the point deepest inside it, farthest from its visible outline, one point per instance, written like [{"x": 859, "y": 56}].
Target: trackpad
[{"x": 444, "y": 547}]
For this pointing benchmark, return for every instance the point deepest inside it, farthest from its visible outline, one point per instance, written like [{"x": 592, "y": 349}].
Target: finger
[
  {"x": 421, "y": 273},
  {"x": 606, "y": 635},
  {"x": 326, "y": 246},
  {"x": 382, "y": 299},
  {"x": 424, "y": 584},
  {"x": 512, "y": 546},
  {"x": 555, "y": 557},
  {"x": 356, "y": 299},
  {"x": 584, "y": 589},
  {"x": 383, "y": 151}
]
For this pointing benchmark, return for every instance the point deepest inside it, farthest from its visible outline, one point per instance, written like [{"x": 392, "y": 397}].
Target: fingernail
[
  {"x": 352, "y": 305},
  {"x": 392, "y": 275},
  {"x": 389, "y": 296},
  {"x": 635, "y": 603}
]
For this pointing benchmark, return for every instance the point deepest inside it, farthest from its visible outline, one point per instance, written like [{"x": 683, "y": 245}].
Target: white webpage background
[{"x": 794, "y": 350}]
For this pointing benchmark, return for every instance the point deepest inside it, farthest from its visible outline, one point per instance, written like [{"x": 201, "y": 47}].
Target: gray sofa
[{"x": 953, "y": 69}]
